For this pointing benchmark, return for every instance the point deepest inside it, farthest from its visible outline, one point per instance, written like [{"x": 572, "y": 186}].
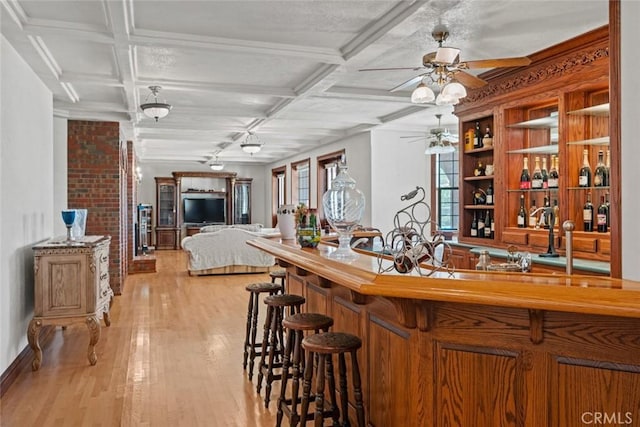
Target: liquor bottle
[
  {"x": 545, "y": 219},
  {"x": 587, "y": 214},
  {"x": 477, "y": 143},
  {"x": 481, "y": 224},
  {"x": 556, "y": 214},
  {"x": 525, "y": 179},
  {"x": 522, "y": 213},
  {"x": 545, "y": 173},
  {"x": 490, "y": 194},
  {"x": 536, "y": 178},
  {"x": 606, "y": 202},
  {"x": 493, "y": 227},
  {"x": 607, "y": 165},
  {"x": 602, "y": 216},
  {"x": 553, "y": 172},
  {"x": 487, "y": 224},
  {"x": 584, "y": 177},
  {"x": 600, "y": 174},
  {"x": 532, "y": 214},
  {"x": 474, "y": 226}
]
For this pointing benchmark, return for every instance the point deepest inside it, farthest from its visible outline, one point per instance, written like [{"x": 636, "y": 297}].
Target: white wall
[
  {"x": 60, "y": 159},
  {"x": 358, "y": 152},
  {"x": 397, "y": 168},
  {"x": 630, "y": 156},
  {"x": 26, "y": 188}
]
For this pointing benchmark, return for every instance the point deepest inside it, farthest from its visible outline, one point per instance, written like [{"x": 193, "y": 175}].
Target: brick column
[{"x": 95, "y": 162}]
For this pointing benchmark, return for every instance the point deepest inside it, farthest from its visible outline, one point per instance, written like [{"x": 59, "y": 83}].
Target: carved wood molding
[
  {"x": 536, "y": 326},
  {"x": 534, "y": 75},
  {"x": 406, "y": 311},
  {"x": 424, "y": 315}
]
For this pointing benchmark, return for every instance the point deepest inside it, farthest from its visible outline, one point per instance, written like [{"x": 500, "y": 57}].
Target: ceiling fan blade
[
  {"x": 469, "y": 80},
  {"x": 446, "y": 55},
  {"x": 413, "y": 81},
  {"x": 392, "y": 69},
  {"x": 414, "y": 137},
  {"x": 495, "y": 63}
]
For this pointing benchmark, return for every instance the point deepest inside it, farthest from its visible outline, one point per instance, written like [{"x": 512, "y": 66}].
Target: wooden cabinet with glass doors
[{"x": 166, "y": 220}]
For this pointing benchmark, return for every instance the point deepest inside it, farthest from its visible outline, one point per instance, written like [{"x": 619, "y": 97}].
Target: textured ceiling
[{"x": 285, "y": 70}]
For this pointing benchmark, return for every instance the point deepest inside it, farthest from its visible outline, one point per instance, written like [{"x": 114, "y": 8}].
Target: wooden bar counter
[{"x": 479, "y": 349}]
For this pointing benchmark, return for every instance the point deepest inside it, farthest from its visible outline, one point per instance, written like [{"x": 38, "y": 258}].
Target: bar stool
[
  {"x": 278, "y": 274},
  {"x": 276, "y": 307},
  {"x": 326, "y": 344},
  {"x": 296, "y": 325},
  {"x": 250, "y": 343}
]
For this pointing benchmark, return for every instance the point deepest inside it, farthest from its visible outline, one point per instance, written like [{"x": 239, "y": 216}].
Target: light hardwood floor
[{"x": 172, "y": 357}]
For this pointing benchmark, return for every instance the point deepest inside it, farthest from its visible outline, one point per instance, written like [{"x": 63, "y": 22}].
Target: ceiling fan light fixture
[
  {"x": 439, "y": 149},
  {"x": 422, "y": 94},
  {"x": 446, "y": 55},
  {"x": 155, "y": 110},
  {"x": 454, "y": 90},
  {"x": 442, "y": 99},
  {"x": 216, "y": 165},
  {"x": 251, "y": 144}
]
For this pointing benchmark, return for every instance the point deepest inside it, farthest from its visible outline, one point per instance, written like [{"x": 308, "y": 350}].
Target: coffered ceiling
[{"x": 285, "y": 70}]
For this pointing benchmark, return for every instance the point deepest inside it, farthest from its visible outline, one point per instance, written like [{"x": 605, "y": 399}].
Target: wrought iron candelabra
[{"x": 410, "y": 244}]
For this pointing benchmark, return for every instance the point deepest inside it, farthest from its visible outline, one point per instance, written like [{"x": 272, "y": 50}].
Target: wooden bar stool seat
[
  {"x": 273, "y": 334},
  {"x": 279, "y": 275},
  {"x": 325, "y": 345},
  {"x": 295, "y": 326},
  {"x": 250, "y": 344}
]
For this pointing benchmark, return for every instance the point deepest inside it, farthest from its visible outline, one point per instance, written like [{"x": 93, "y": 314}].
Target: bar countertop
[{"x": 555, "y": 292}]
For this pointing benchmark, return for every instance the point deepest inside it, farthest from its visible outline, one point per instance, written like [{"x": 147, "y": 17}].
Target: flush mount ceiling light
[
  {"x": 251, "y": 144},
  {"x": 216, "y": 165},
  {"x": 155, "y": 110}
]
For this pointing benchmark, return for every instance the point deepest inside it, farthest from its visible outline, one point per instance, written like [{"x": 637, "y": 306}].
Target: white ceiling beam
[
  {"x": 106, "y": 107},
  {"x": 365, "y": 94},
  {"x": 91, "y": 78},
  {"x": 283, "y": 92},
  {"x": 143, "y": 37}
]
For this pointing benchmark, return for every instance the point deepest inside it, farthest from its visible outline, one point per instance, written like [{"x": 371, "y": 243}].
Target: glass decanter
[{"x": 344, "y": 208}]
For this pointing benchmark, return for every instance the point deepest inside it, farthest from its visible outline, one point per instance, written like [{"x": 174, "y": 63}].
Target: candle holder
[{"x": 69, "y": 216}]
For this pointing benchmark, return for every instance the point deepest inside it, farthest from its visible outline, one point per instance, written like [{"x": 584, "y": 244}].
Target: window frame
[
  {"x": 322, "y": 181},
  {"x": 275, "y": 193},
  {"x": 436, "y": 189},
  {"x": 296, "y": 167}
]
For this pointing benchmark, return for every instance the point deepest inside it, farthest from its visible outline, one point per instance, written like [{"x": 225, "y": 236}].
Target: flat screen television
[{"x": 210, "y": 211}]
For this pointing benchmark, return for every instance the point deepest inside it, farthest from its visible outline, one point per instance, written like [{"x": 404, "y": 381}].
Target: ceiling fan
[
  {"x": 444, "y": 68},
  {"x": 440, "y": 140}
]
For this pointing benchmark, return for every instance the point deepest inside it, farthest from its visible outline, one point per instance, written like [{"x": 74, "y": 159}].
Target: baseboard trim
[{"x": 24, "y": 358}]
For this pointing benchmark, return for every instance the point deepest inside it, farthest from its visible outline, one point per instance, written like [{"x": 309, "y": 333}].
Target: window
[
  {"x": 327, "y": 171},
  {"x": 446, "y": 203},
  {"x": 278, "y": 191},
  {"x": 300, "y": 181}
]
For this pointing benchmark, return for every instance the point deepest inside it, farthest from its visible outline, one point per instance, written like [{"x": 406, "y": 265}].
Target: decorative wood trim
[
  {"x": 388, "y": 326},
  {"x": 323, "y": 282},
  {"x": 534, "y": 75},
  {"x": 425, "y": 315},
  {"x": 536, "y": 326},
  {"x": 358, "y": 298},
  {"x": 301, "y": 271},
  {"x": 615, "y": 109},
  {"x": 282, "y": 263},
  {"x": 405, "y": 311},
  {"x": 224, "y": 175}
]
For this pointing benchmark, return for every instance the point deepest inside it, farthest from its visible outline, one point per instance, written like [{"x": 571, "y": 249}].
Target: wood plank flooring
[{"x": 172, "y": 357}]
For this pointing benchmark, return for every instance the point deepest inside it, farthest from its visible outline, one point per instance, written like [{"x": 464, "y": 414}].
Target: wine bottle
[
  {"x": 545, "y": 173},
  {"x": 481, "y": 224},
  {"x": 474, "y": 226},
  {"x": 493, "y": 227},
  {"x": 477, "y": 143},
  {"x": 532, "y": 214},
  {"x": 600, "y": 174},
  {"x": 584, "y": 177},
  {"x": 587, "y": 214},
  {"x": 525, "y": 179},
  {"x": 490, "y": 194},
  {"x": 536, "y": 179},
  {"x": 602, "y": 216},
  {"x": 553, "y": 173},
  {"x": 522, "y": 213},
  {"x": 487, "y": 224}
]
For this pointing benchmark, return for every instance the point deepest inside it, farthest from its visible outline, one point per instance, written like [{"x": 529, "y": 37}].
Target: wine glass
[{"x": 69, "y": 216}]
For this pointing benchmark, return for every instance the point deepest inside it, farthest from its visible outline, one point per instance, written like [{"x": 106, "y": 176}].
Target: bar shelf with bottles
[{"x": 477, "y": 166}]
